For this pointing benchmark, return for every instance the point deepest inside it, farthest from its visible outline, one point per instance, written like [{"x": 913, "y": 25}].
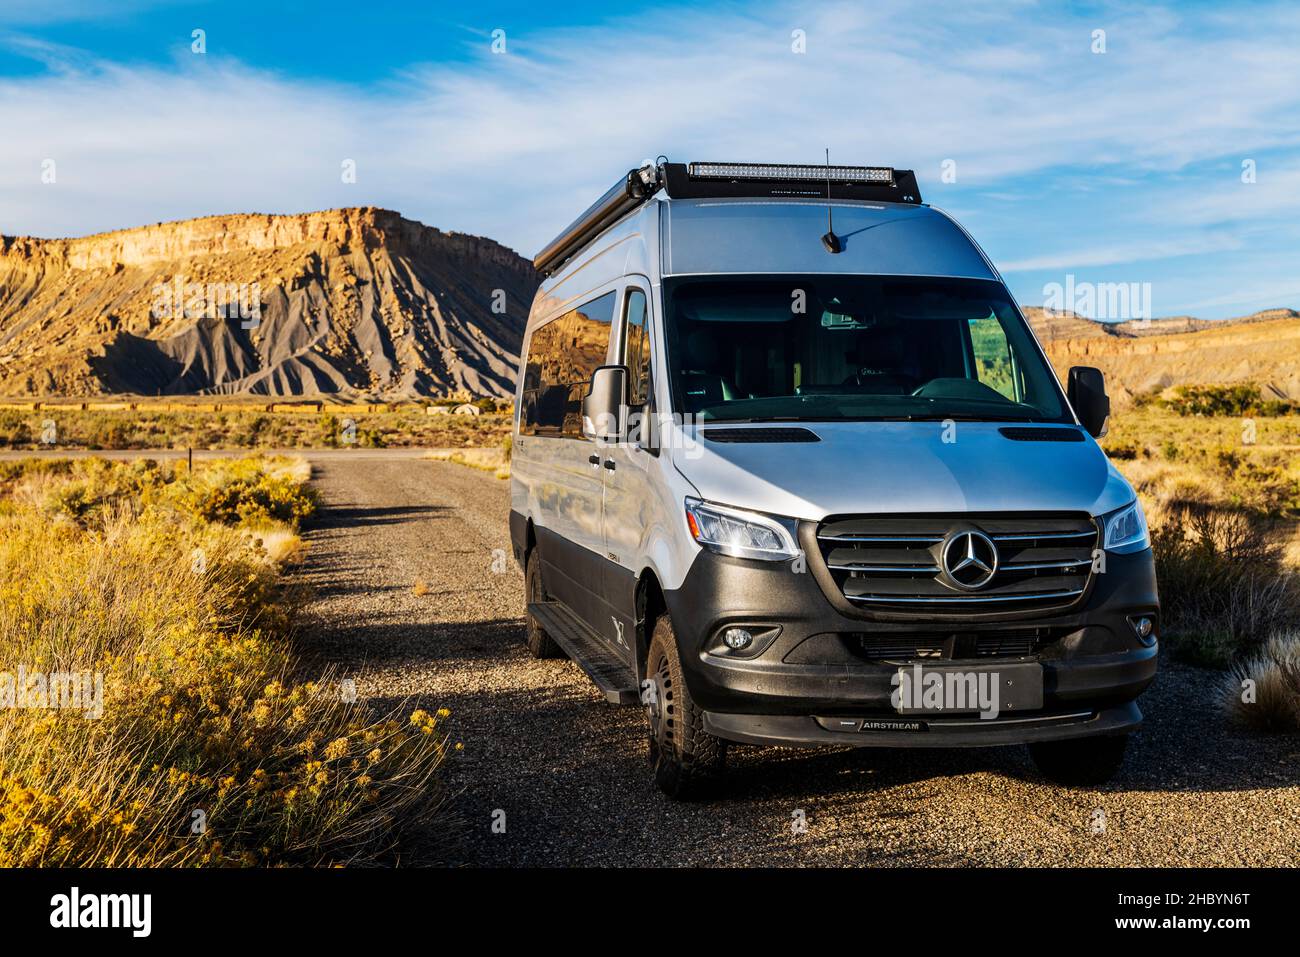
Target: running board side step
[{"x": 615, "y": 681}]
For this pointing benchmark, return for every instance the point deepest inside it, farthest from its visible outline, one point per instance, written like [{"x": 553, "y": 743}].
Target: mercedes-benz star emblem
[{"x": 969, "y": 559}]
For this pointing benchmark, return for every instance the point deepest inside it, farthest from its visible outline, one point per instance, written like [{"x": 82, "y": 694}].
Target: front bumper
[
  {"x": 900, "y": 731},
  {"x": 803, "y": 682}
]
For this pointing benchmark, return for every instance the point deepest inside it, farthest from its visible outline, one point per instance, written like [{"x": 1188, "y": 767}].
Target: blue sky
[{"x": 1122, "y": 166}]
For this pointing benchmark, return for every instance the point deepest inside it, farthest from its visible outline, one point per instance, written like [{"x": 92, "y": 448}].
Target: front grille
[
  {"x": 903, "y": 646},
  {"x": 894, "y": 564}
]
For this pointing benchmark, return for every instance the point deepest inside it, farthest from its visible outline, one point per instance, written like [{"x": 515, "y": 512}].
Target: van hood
[{"x": 900, "y": 467}]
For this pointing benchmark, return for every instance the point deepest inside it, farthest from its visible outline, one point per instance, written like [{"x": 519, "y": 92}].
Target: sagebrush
[{"x": 212, "y": 749}]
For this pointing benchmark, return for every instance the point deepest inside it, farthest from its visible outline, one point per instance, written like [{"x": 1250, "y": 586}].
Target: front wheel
[
  {"x": 686, "y": 759},
  {"x": 1080, "y": 762},
  {"x": 538, "y": 641}
]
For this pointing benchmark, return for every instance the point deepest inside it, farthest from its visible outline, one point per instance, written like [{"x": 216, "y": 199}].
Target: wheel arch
[{"x": 650, "y": 605}]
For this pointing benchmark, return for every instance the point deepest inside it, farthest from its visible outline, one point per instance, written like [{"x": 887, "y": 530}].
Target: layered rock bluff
[
  {"x": 356, "y": 302},
  {"x": 1150, "y": 356}
]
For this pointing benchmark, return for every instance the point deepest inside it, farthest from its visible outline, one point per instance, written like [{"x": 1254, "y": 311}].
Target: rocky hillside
[
  {"x": 1148, "y": 356},
  {"x": 350, "y": 302},
  {"x": 364, "y": 303}
]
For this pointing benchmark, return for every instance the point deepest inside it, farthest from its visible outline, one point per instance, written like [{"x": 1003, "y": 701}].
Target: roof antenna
[{"x": 830, "y": 240}]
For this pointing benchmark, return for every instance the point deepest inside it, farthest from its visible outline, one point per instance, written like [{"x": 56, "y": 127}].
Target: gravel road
[{"x": 570, "y": 773}]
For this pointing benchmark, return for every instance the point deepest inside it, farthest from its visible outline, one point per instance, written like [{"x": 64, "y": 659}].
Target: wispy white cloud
[
  {"x": 1132, "y": 252},
  {"x": 513, "y": 145}
]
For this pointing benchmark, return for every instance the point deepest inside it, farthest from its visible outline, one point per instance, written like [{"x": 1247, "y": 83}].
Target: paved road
[{"x": 570, "y": 772}]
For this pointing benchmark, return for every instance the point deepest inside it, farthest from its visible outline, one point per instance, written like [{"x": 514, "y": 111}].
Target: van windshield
[{"x": 831, "y": 347}]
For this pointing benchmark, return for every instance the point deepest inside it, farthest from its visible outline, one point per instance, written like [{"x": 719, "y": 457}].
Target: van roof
[
  {"x": 707, "y": 236},
  {"x": 672, "y": 219}
]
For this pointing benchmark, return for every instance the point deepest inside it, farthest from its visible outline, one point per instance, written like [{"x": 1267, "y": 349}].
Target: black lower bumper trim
[{"x": 907, "y": 731}]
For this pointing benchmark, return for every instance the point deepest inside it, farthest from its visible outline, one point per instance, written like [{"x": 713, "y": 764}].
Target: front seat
[{"x": 704, "y": 387}]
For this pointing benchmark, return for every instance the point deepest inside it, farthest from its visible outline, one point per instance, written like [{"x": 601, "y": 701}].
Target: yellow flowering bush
[{"x": 211, "y": 748}]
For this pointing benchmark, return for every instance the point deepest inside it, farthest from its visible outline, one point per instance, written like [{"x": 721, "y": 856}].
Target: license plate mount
[{"x": 968, "y": 688}]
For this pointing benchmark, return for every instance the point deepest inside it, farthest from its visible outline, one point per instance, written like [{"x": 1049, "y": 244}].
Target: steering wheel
[{"x": 958, "y": 388}]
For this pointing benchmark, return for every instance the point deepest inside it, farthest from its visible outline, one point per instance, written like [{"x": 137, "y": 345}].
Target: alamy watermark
[
  {"x": 917, "y": 689},
  {"x": 133, "y": 912},
  {"x": 56, "y": 690},
  {"x": 1099, "y": 300},
  {"x": 180, "y": 299},
  {"x": 634, "y": 429}
]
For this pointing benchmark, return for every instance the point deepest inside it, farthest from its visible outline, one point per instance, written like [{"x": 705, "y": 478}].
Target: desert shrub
[
  {"x": 1246, "y": 478},
  {"x": 205, "y": 719},
  {"x": 1143, "y": 400},
  {"x": 13, "y": 470},
  {"x": 1271, "y": 408},
  {"x": 14, "y": 429},
  {"x": 111, "y": 434},
  {"x": 1241, "y": 399},
  {"x": 245, "y": 492},
  {"x": 248, "y": 499},
  {"x": 328, "y": 426},
  {"x": 249, "y": 428},
  {"x": 1223, "y": 585},
  {"x": 1226, "y": 460},
  {"x": 1274, "y": 672},
  {"x": 256, "y": 429}
]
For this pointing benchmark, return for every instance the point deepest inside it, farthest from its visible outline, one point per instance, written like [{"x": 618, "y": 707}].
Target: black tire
[
  {"x": 538, "y": 641},
  {"x": 1080, "y": 762},
  {"x": 686, "y": 759}
]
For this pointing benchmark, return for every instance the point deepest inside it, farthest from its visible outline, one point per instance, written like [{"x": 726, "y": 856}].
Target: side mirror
[
  {"x": 1087, "y": 393},
  {"x": 603, "y": 406}
]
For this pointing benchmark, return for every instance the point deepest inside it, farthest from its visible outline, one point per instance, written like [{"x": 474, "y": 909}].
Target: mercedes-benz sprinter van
[{"x": 790, "y": 468}]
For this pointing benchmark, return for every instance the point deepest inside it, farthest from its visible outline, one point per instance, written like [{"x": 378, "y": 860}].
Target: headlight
[
  {"x": 1126, "y": 529},
  {"x": 730, "y": 531}
]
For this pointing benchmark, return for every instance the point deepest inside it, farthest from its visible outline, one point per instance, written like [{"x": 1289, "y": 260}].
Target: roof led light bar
[{"x": 783, "y": 172}]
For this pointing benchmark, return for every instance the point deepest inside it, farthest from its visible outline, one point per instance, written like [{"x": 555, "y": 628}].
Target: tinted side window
[
  {"x": 562, "y": 355},
  {"x": 636, "y": 349}
]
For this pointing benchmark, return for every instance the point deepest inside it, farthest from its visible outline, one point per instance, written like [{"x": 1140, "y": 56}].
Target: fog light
[
  {"x": 737, "y": 638},
  {"x": 1142, "y": 627}
]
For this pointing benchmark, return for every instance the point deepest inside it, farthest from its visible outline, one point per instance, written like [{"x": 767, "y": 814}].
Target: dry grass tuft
[{"x": 1274, "y": 672}]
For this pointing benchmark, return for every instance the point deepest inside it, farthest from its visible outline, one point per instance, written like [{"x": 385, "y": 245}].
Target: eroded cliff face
[
  {"x": 1146, "y": 356},
  {"x": 349, "y": 301},
  {"x": 362, "y": 302}
]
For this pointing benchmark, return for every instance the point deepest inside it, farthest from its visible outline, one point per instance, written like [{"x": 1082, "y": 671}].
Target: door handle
[
  {"x": 609, "y": 464},
  {"x": 593, "y": 459}
]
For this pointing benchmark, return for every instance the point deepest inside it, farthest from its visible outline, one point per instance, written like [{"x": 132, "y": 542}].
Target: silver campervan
[{"x": 790, "y": 468}]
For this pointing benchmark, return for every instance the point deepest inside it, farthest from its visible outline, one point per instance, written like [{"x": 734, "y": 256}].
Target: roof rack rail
[
  {"x": 713, "y": 180},
  {"x": 623, "y": 197}
]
